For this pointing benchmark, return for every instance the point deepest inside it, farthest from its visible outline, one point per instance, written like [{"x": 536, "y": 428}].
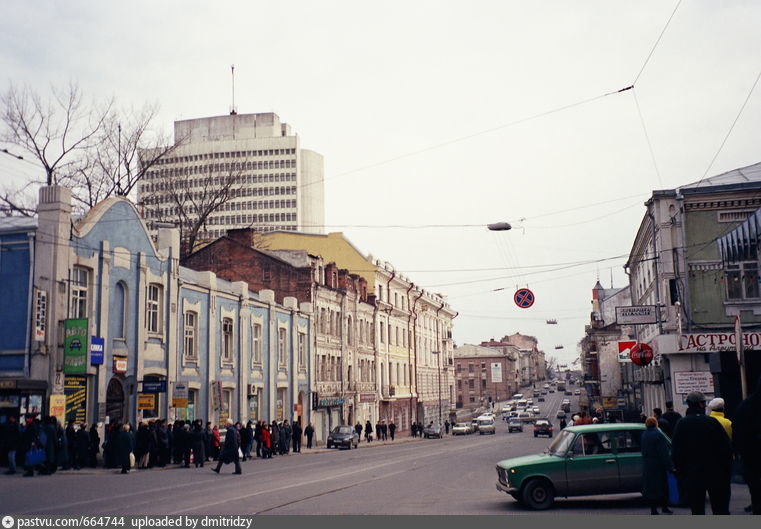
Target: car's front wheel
[{"x": 538, "y": 494}]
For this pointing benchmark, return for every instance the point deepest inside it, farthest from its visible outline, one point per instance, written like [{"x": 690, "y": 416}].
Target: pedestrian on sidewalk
[
  {"x": 717, "y": 412},
  {"x": 230, "y": 449},
  {"x": 746, "y": 432},
  {"x": 198, "y": 443},
  {"x": 358, "y": 429},
  {"x": 309, "y": 432},
  {"x": 126, "y": 448},
  {"x": 296, "y": 436},
  {"x": 11, "y": 440},
  {"x": 368, "y": 431},
  {"x": 702, "y": 455},
  {"x": 266, "y": 442},
  {"x": 392, "y": 429},
  {"x": 446, "y": 426},
  {"x": 656, "y": 462}
]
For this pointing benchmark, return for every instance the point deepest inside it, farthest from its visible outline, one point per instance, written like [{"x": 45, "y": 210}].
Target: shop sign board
[
  {"x": 687, "y": 381},
  {"x": 97, "y": 349},
  {"x": 146, "y": 401},
  {"x": 75, "y": 391},
  {"x": 717, "y": 341},
  {"x": 120, "y": 364},
  {"x": 637, "y": 315},
  {"x": 367, "y": 397},
  {"x": 75, "y": 346},
  {"x": 180, "y": 395}
]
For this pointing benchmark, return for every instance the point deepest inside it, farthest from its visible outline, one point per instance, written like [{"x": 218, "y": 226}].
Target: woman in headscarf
[{"x": 656, "y": 462}]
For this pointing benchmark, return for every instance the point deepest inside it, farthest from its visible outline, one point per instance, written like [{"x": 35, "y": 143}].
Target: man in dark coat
[
  {"x": 83, "y": 445},
  {"x": 665, "y": 426},
  {"x": 309, "y": 432},
  {"x": 358, "y": 429},
  {"x": 368, "y": 431},
  {"x": 746, "y": 433},
  {"x": 71, "y": 445},
  {"x": 258, "y": 438},
  {"x": 274, "y": 438},
  {"x": 391, "y": 429},
  {"x": 230, "y": 449},
  {"x": 671, "y": 416},
  {"x": 296, "y": 436},
  {"x": 162, "y": 440},
  {"x": 702, "y": 456},
  {"x": 11, "y": 440},
  {"x": 93, "y": 446},
  {"x": 285, "y": 438},
  {"x": 198, "y": 443}
]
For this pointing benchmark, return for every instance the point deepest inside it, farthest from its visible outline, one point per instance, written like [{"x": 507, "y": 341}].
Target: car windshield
[
  {"x": 485, "y": 422},
  {"x": 561, "y": 444},
  {"x": 542, "y": 423},
  {"x": 462, "y": 425},
  {"x": 343, "y": 429}
]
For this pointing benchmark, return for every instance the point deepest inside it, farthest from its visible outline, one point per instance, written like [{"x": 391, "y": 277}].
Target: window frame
[{"x": 153, "y": 308}]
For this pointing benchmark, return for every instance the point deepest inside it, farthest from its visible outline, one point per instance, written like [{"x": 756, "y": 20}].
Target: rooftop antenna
[{"x": 232, "y": 70}]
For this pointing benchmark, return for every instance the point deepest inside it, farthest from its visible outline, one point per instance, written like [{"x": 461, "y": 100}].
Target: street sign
[
  {"x": 524, "y": 298},
  {"x": 97, "y": 347},
  {"x": 154, "y": 386},
  {"x": 641, "y": 354},
  {"x": 687, "y": 381},
  {"x": 146, "y": 401}
]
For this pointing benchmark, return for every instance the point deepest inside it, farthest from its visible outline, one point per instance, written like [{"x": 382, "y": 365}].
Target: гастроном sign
[{"x": 717, "y": 341}]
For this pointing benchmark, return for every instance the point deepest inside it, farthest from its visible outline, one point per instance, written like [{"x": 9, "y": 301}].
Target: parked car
[
  {"x": 486, "y": 425},
  {"x": 582, "y": 460},
  {"x": 462, "y": 428},
  {"x": 542, "y": 426},
  {"x": 343, "y": 435},
  {"x": 474, "y": 424},
  {"x": 433, "y": 430},
  {"x": 514, "y": 425}
]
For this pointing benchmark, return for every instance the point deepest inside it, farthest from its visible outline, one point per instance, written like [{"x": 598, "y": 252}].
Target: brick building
[{"x": 485, "y": 374}]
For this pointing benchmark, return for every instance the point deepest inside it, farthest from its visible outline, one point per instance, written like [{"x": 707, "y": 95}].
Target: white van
[{"x": 486, "y": 424}]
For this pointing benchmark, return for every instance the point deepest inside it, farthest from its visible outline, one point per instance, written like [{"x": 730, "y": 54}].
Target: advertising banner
[
  {"x": 75, "y": 391},
  {"x": 687, "y": 381},
  {"x": 146, "y": 401},
  {"x": 75, "y": 346},
  {"x": 180, "y": 395},
  {"x": 58, "y": 407},
  {"x": 637, "y": 315}
]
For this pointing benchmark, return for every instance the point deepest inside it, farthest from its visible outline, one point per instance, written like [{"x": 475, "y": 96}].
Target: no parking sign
[{"x": 524, "y": 298}]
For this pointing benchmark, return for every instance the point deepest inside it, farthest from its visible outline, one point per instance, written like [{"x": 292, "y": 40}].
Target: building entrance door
[{"x": 115, "y": 400}]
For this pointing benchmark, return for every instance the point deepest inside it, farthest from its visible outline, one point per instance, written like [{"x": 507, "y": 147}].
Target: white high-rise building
[{"x": 276, "y": 185}]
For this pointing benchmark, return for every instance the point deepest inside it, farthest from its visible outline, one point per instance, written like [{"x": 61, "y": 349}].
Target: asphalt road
[{"x": 454, "y": 475}]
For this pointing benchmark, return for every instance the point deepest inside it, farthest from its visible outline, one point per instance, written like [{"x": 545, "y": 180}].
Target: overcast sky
[{"x": 446, "y": 114}]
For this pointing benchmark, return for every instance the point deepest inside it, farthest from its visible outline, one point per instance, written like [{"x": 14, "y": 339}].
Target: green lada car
[{"x": 582, "y": 460}]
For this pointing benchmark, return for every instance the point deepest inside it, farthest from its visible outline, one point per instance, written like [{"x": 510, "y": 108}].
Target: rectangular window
[
  {"x": 227, "y": 340},
  {"x": 281, "y": 335},
  {"x": 257, "y": 344},
  {"x": 742, "y": 280},
  {"x": 382, "y": 332},
  {"x": 470, "y": 368},
  {"x": 79, "y": 290},
  {"x": 153, "y": 308},
  {"x": 472, "y": 384},
  {"x": 191, "y": 322},
  {"x": 302, "y": 350}
]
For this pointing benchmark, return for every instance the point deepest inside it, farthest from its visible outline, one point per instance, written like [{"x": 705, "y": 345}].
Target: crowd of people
[
  {"x": 699, "y": 460},
  {"x": 43, "y": 446}
]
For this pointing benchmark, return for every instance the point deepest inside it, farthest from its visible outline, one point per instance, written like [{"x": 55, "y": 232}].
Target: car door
[
  {"x": 591, "y": 466},
  {"x": 629, "y": 455}
]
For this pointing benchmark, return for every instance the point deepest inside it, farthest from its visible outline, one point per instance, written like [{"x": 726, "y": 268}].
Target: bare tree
[
  {"x": 127, "y": 151},
  {"x": 53, "y": 131},
  {"x": 190, "y": 202},
  {"x": 96, "y": 150}
]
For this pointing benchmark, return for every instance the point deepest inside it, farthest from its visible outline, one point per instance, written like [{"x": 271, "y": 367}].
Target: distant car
[
  {"x": 462, "y": 428},
  {"x": 542, "y": 426},
  {"x": 529, "y": 402},
  {"x": 568, "y": 392},
  {"x": 552, "y": 390},
  {"x": 514, "y": 414},
  {"x": 560, "y": 414},
  {"x": 506, "y": 409},
  {"x": 577, "y": 391},
  {"x": 486, "y": 425},
  {"x": 343, "y": 435},
  {"x": 474, "y": 424},
  {"x": 595, "y": 459},
  {"x": 514, "y": 425},
  {"x": 546, "y": 386},
  {"x": 535, "y": 410},
  {"x": 525, "y": 416},
  {"x": 541, "y": 398},
  {"x": 433, "y": 430}
]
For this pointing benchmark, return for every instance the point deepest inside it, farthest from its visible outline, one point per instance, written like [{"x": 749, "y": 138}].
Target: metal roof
[
  {"x": 743, "y": 175},
  {"x": 9, "y": 224}
]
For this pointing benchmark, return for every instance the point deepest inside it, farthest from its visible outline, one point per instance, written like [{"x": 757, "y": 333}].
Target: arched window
[{"x": 120, "y": 310}]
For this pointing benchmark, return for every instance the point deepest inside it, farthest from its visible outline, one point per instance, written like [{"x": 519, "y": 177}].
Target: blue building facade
[{"x": 128, "y": 334}]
